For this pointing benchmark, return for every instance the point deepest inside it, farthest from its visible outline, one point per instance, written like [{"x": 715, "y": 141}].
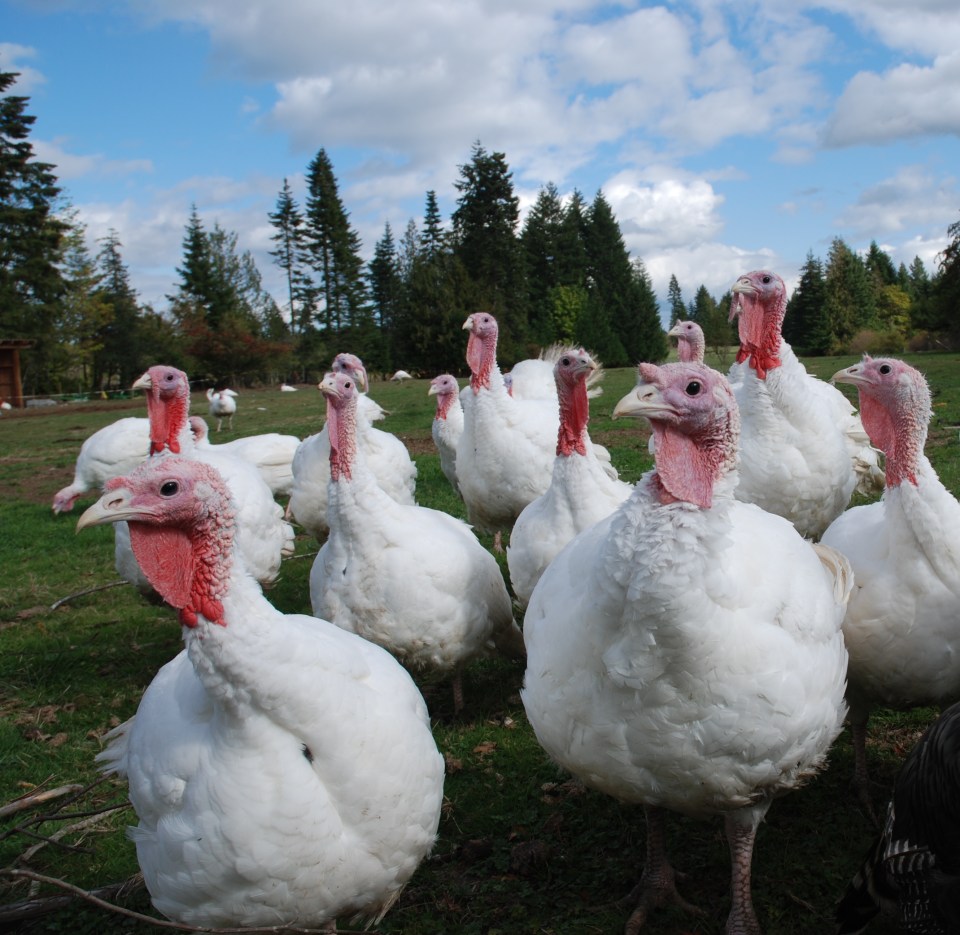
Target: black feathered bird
[{"x": 912, "y": 870}]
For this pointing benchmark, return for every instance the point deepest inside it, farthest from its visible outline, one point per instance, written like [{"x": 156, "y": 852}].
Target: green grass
[{"x": 520, "y": 849}]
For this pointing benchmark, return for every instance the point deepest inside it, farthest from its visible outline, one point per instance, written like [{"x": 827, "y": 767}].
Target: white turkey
[
  {"x": 222, "y": 405},
  {"x": 113, "y": 450},
  {"x": 447, "y": 426},
  {"x": 270, "y": 453},
  {"x": 505, "y": 454},
  {"x": 903, "y": 624},
  {"x": 912, "y": 871},
  {"x": 803, "y": 448},
  {"x": 581, "y": 492},
  {"x": 264, "y": 537},
  {"x": 412, "y": 579},
  {"x": 387, "y": 457},
  {"x": 400, "y": 376},
  {"x": 283, "y": 770},
  {"x": 685, "y": 653},
  {"x": 287, "y": 388},
  {"x": 690, "y": 341}
]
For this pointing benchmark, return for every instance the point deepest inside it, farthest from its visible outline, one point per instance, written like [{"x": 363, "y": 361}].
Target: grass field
[{"x": 520, "y": 850}]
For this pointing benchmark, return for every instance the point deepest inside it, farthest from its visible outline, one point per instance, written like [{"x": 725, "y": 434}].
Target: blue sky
[{"x": 727, "y": 136}]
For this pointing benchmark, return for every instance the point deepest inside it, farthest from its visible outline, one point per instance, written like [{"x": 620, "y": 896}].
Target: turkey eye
[
  {"x": 169, "y": 488},
  {"x": 693, "y": 388},
  {"x": 765, "y": 280},
  {"x": 565, "y": 361},
  {"x": 885, "y": 368},
  {"x": 347, "y": 384}
]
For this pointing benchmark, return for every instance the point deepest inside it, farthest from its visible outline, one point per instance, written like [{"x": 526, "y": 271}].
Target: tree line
[{"x": 563, "y": 275}]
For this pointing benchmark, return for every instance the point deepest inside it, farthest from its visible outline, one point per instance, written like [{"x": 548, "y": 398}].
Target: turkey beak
[
  {"x": 433, "y": 390},
  {"x": 143, "y": 382},
  {"x": 675, "y": 331},
  {"x": 742, "y": 286},
  {"x": 643, "y": 401},
  {"x": 468, "y": 324},
  {"x": 853, "y": 375},
  {"x": 112, "y": 507},
  {"x": 328, "y": 386}
]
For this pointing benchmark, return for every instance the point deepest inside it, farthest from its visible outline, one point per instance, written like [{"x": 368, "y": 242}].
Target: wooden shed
[{"x": 11, "y": 389}]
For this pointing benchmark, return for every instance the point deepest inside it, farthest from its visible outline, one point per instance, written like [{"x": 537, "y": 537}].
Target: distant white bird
[
  {"x": 447, "y": 426},
  {"x": 286, "y": 388},
  {"x": 5, "y": 405},
  {"x": 283, "y": 770},
  {"x": 223, "y": 405},
  {"x": 400, "y": 376}
]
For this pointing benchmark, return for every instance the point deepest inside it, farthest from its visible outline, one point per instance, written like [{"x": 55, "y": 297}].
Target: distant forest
[{"x": 563, "y": 275}]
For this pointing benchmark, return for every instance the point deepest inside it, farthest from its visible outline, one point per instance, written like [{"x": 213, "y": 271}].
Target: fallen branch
[
  {"x": 99, "y": 587},
  {"x": 33, "y": 799},
  {"x": 44, "y": 905},
  {"x": 91, "y": 896}
]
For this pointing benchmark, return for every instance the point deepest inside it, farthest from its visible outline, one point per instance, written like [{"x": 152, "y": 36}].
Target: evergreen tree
[
  {"x": 84, "y": 313},
  {"x": 439, "y": 295},
  {"x": 409, "y": 249},
  {"x": 945, "y": 300},
  {"x": 539, "y": 240},
  {"x": 433, "y": 239},
  {"x": 31, "y": 243},
  {"x": 334, "y": 250},
  {"x": 651, "y": 339},
  {"x": 485, "y": 242},
  {"x": 232, "y": 328},
  {"x": 678, "y": 311},
  {"x": 849, "y": 301},
  {"x": 386, "y": 289},
  {"x": 119, "y": 361},
  {"x": 880, "y": 266},
  {"x": 289, "y": 255},
  {"x": 806, "y": 326},
  {"x": 626, "y": 326},
  {"x": 920, "y": 289}
]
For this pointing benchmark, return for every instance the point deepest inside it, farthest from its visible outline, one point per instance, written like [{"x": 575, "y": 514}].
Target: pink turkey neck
[{"x": 574, "y": 415}]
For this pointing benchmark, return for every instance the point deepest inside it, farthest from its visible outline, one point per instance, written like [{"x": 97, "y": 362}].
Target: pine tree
[
  {"x": 678, "y": 311},
  {"x": 386, "y": 289},
  {"x": 334, "y": 250},
  {"x": 945, "y": 298},
  {"x": 433, "y": 239},
  {"x": 31, "y": 243},
  {"x": 289, "y": 255},
  {"x": 849, "y": 302},
  {"x": 84, "y": 313},
  {"x": 120, "y": 356},
  {"x": 485, "y": 242},
  {"x": 539, "y": 240},
  {"x": 806, "y": 326}
]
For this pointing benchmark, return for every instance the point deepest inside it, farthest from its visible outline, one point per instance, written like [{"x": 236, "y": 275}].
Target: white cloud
[
  {"x": 663, "y": 214},
  {"x": 72, "y": 165},
  {"x": 907, "y": 101},
  {"x": 913, "y": 197}
]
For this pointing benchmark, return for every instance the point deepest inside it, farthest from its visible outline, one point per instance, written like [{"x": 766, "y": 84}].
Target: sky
[{"x": 727, "y": 135}]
